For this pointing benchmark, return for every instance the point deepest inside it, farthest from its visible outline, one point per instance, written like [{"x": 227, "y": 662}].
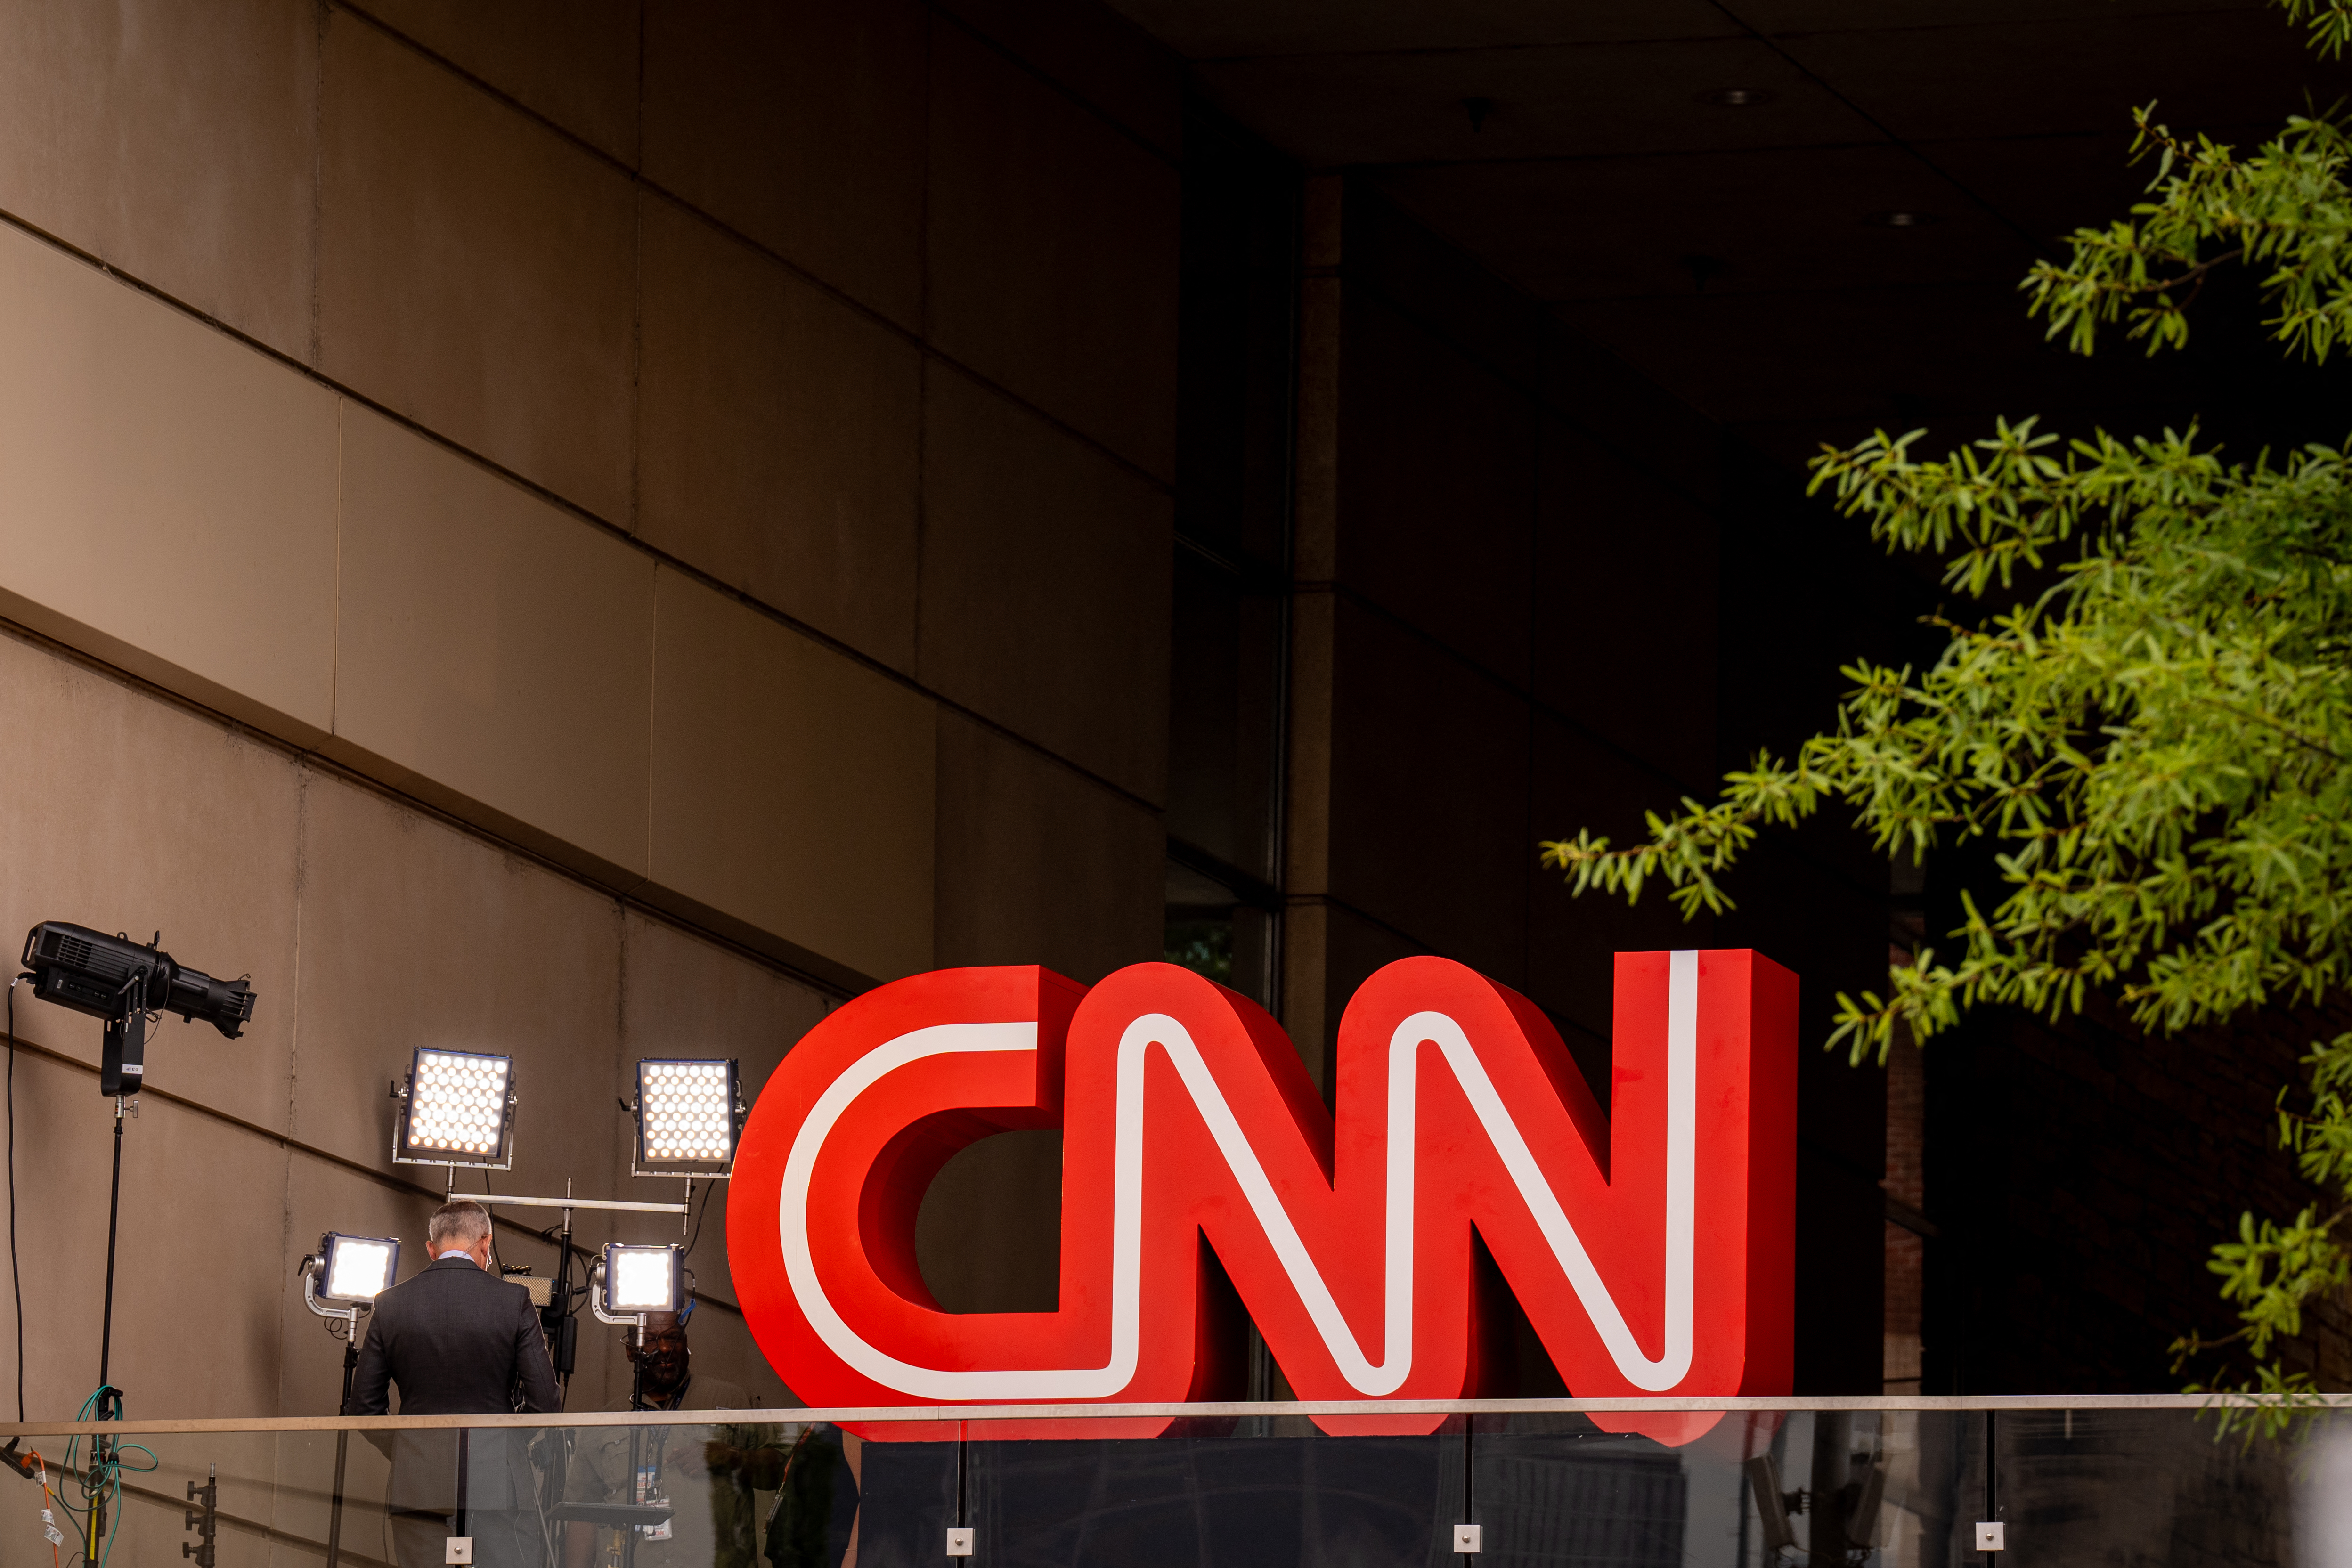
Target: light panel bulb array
[
  {"x": 457, "y": 1103},
  {"x": 688, "y": 1109},
  {"x": 640, "y": 1279},
  {"x": 359, "y": 1269}
]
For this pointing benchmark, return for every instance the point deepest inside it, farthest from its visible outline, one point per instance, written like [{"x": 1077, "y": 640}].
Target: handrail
[{"x": 1231, "y": 1409}]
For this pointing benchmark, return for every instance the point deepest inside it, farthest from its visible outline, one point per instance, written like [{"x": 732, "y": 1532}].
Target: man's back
[{"x": 458, "y": 1341}]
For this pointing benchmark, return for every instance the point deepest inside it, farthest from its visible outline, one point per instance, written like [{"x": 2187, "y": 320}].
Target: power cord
[
  {"x": 498, "y": 1264},
  {"x": 25, "y": 1465},
  {"x": 700, "y": 1210},
  {"x": 104, "y": 1479},
  {"x": 16, "y": 1278}
]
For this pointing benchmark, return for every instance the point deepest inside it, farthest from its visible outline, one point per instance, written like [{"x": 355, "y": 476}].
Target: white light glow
[
  {"x": 358, "y": 1267},
  {"x": 688, "y": 1111},
  {"x": 457, "y": 1103},
  {"x": 638, "y": 1279}
]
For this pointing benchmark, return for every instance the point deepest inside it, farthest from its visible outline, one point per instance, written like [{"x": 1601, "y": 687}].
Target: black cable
[
  {"x": 552, "y": 1237},
  {"x": 498, "y": 1264},
  {"x": 16, "y": 1279},
  {"x": 698, "y": 1213}
]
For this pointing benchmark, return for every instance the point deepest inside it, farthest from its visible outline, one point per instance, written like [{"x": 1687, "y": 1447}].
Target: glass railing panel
[
  {"x": 2144, "y": 1486},
  {"x": 1857, "y": 1488},
  {"x": 267, "y": 1491},
  {"x": 739, "y": 1494},
  {"x": 1225, "y": 1492}
]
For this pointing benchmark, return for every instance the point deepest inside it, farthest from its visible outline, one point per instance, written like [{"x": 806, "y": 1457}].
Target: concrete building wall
[
  {"x": 602, "y": 529},
  {"x": 585, "y": 530}
]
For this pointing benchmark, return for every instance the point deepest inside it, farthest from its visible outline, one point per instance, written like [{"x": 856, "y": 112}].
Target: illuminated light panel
[
  {"x": 686, "y": 1113},
  {"x": 358, "y": 1267},
  {"x": 457, "y": 1103},
  {"x": 640, "y": 1279}
]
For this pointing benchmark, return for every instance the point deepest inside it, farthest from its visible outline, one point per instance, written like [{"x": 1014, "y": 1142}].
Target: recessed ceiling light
[
  {"x": 1900, "y": 220},
  {"x": 1738, "y": 97}
]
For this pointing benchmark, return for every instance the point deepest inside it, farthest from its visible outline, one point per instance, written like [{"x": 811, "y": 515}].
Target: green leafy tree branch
[{"x": 2147, "y": 713}]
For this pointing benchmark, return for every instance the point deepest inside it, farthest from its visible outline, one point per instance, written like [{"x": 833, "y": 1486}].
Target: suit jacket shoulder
[{"x": 458, "y": 1342}]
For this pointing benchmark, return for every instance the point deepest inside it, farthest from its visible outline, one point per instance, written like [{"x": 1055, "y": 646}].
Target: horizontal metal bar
[
  {"x": 492, "y": 1200},
  {"x": 1924, "y": 1404}
]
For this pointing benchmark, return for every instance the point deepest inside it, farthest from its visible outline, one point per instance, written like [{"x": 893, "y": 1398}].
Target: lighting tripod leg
[
  {"x": 335, "y": 1509},
  {"x": 109, "y": 1403},
  {"x": 342, "y": 1452},
  {"x": 638, "y": 1487},
  {"x": 113, "y": 1220}
]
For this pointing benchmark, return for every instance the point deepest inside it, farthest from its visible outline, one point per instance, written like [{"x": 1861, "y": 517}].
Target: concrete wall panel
[
  {"x": 146, "y": 819},
  {"x": 1045, "y": 585},
  {"x": 475, "y": 269},
  {"x": 801, "y": 126},
  {"x": 195, "y": 1197},
  {"x": 493, "y": 652},
  {"x": 170, "y": 493},
  {"x": 574, "y": 61},
  {"x": 176, "y": 142},
  {"x": 418, "y": 934},
  {"x": 1052, "y": 252},
  {"x": 1038, "y": 865},
  {"x": 779, "y": 434},
  {"x": 793, "y": 787},
  {"x": 682, "y": 995},
  {"x": 1090, "y": 50}
]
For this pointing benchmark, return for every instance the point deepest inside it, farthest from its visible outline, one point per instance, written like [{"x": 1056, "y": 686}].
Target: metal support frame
[
  {"x": 349, "y": 1316},
  {"x": 498, "y": 1200},
  {"x": 108, "y": 1400},
  {"x": 205, "y": 1520}
]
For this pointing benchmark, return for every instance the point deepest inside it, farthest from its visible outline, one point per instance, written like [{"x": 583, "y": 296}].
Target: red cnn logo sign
[{"x": 1650, "y": 1247}]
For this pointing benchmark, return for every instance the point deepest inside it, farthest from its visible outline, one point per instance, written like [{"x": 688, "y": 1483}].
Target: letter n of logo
[{"x": 1649, "y": 1246}]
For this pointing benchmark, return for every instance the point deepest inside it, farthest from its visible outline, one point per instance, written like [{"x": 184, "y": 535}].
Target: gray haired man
[{"x": 458, "y": 1341}]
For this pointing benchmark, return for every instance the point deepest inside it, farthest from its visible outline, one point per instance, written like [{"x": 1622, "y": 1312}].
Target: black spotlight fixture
[{"x": 116, "y": 979}]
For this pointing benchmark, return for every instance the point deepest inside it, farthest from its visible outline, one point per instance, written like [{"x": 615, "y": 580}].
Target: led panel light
[
  {"x": 458, "y": 1109},
  {"x": 687, "y": 1119},
  {"x": 355, "y": 1268},
  {"x": 640, "y": 1279}
]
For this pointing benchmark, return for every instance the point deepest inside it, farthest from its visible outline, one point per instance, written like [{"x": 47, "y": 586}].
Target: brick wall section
[{"x": 1905, "y": 1182}]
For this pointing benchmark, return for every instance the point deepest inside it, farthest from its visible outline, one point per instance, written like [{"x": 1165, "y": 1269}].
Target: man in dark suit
[{"x": 458, "y": 1341}]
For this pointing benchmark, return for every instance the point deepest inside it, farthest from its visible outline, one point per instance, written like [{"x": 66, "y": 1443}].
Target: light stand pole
[
  {"x": 348, "y": 1317},
  {"x": 122, "y": 1055},
  {"x": 118, "y": 982},
  {"x": 108, "y": 1398},
  {"x": 597, "y": 1285},
  {"x": 342, "y": 1454}
]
